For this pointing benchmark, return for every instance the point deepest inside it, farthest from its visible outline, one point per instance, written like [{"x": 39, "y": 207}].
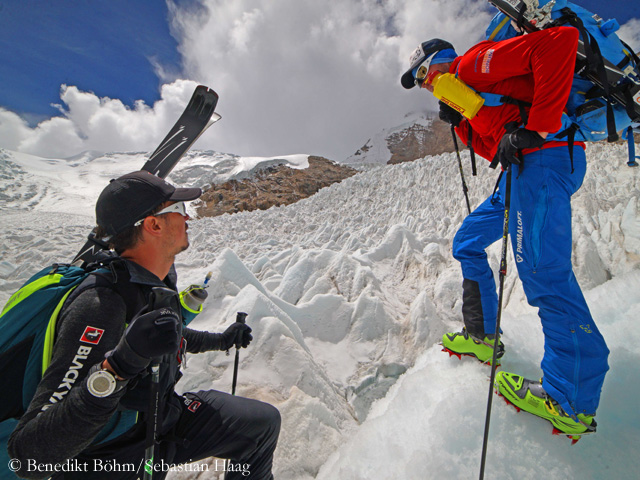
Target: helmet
[{"x": 419, "y": 55}]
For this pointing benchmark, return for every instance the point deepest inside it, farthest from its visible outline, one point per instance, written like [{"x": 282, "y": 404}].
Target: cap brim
[
  {"x": 185, "y": 194},
  {"x": 407, "y": 79}
]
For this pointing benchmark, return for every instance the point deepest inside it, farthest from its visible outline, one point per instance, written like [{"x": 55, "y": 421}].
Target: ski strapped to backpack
[
  {"x": 196, "y": 118},
  {"x": 605, "y": 95}
]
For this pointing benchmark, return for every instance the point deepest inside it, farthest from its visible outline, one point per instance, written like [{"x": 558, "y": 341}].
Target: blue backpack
[
  {"x": 27, "y": 333},
  {"x": 28, "y": 327},
  {"x": 592, "y": 112}
]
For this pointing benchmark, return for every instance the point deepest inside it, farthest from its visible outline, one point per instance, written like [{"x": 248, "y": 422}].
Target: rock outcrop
[
  {"x": 271, "y": 186},
  {"x": 418, "y": 142},
  {"x": 422, "y": 135}
]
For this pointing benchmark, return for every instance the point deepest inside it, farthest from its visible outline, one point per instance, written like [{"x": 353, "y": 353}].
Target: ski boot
[
  {"x": 462, "y": 343},
  {"x": 529, "y": 396}
]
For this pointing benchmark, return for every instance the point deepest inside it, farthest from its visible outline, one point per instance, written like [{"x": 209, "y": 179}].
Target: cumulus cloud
[
  {"x": 293, "y": 77},
  {"x": 13, "y": 130},
  {"x": 87, "y": 122},
  {"x": 314, "y": 77}
]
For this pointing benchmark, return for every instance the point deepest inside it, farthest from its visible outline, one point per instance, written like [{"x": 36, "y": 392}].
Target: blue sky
[
  {"x": 294, "y": 76},
  {"x": 107, "y": 47},
  {"x": 622, "y": 10},
  {"x": 102, "y": 46}
]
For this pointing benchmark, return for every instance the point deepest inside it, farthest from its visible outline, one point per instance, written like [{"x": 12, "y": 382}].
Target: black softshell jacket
[{"x": 64, "y": 419}]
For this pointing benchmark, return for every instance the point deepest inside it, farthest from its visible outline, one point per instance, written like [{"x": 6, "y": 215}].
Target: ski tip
[{"x": 204, "y": 88}]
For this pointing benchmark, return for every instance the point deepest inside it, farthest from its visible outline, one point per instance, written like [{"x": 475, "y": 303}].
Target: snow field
[{"x": 348, "y": 293}]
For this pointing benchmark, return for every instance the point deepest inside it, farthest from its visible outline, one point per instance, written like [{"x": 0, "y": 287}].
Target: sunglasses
[{"x": 179, "y": 207}]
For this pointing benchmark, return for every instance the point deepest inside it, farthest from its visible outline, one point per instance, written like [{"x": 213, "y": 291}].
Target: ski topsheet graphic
[
  {"x": 623, "y": 85},
  {"x": 196, "y": 118}
]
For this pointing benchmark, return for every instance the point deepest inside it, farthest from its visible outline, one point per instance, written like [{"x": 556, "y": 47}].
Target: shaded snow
[{"x": 348, "y": 293}]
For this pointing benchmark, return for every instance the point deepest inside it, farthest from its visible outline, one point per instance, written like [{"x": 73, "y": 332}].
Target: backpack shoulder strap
[
  {"x": 112, "y": 274},
  {"x": 115, "y": 275}
]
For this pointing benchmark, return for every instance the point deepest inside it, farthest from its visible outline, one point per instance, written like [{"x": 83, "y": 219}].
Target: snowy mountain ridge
[
  {"x": 422, "y": 134},
  {"x": 348, "y": 293}
]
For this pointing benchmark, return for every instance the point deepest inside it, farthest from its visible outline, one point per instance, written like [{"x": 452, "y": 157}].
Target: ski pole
[
  {"x": 240, "y": 317},
  {"x": 152, "y": 421},
  {"x": 160, "y": 297},
  {"x": 496, "y": 341},
  {"x": 464, "y": 184}
]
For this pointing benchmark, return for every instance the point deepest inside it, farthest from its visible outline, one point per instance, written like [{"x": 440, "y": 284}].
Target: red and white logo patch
[
  {"x": 486, "y": 61},
  {"x": 194, "y": 406},
  {"x": 92, "y": 335}
]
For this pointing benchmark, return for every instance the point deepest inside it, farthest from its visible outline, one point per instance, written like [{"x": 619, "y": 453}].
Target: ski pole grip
[
  {"x": 241, "y": 317},
  {"x": 160, "y": 297}
]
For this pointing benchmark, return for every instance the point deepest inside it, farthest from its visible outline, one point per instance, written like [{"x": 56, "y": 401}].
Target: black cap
[
  {"x": 419, "y": 55},
  {"x": 134, "y": 196}
]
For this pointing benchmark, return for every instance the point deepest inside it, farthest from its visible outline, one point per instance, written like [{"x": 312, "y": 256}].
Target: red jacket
[{"x": 537, "y": 68}]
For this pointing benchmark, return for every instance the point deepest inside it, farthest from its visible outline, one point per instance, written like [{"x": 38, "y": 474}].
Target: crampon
[
  {"x": 573, "y": 437},
  {"x": 460, "y": 355}
]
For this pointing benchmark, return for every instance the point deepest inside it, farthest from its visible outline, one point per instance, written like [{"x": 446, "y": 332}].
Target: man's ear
[{"x": 152, "y": 226}]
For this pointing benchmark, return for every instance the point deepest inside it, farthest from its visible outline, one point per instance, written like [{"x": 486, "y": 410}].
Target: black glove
[
  {"x": 238, "y": 334},
  {"x": 148, "y": 336},
  {"x": 512, "y": 142},
  {"x": 449, "y": 115}
]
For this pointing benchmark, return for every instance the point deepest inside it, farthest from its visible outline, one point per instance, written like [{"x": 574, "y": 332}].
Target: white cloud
[
  {"x": 313, "y": 77},
  {"x": 13, "y": 130},
  {"x": 630, "y": 33},
  {"x": 294, "y": 76},
  {"x": 91, "y": 123},
  {"x": 53, "y": 138}
]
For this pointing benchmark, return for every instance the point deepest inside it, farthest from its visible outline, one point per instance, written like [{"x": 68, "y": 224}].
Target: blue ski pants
[{"x": 575, "y": 353}]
